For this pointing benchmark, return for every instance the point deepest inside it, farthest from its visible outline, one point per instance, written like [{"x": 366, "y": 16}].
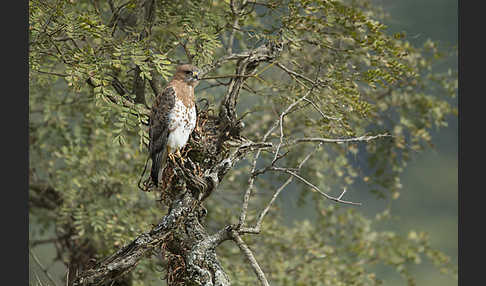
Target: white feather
[{"x": 182, "y": 122}]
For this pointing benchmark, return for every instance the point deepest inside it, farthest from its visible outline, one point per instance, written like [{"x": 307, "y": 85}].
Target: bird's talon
[
  {"x": 172, "y": 158},
  {"x": 178, "y": 154}
]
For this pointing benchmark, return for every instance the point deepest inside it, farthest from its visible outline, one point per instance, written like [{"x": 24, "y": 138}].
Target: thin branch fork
[
  {"x": 283, "y": 114},
  {"x": 248, "y": 64},
  {"x": 281, "y": 118},
  {"x": 297, "y": 176},
  {"x": 246, "y": 197},
  {"x": 256, "y": 229},
  {"x": 317, "y": 82},
  {"x": 320, "y": 111},
  {"x": 217, "y": 63}
]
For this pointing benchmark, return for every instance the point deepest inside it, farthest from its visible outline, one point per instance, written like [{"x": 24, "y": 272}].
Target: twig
[
  {"x": 363, "y": 138},
  {"x": 268, "y": 5},
  {"x": 184, "y": 47},
  {"x": 342, "y": 194},
  {"x": 97, "y": 9},
  {"x": 51, "y": 73},
  {"x": 42, "y": 267},
  {"x": 339, "y": 200},
  {"x": 228, "y": 76},
  {"x": 250, "y": 145},
  {"x": 251, "y": 258},
  {"x": 318, "y": 82},
  {"x": 43, "y": 241},
  {"x": 256, "y": 229},
  {"x": 320, "y": 111},
  {"x": 286, "y": 112},
  {"x": 251, "y": 180},
  {"x": 219, "y": 83},
  {"x": 246, "y": 197},
  {"x": 277, "y": 192},
  {"x": 63, "y": 39},
  {"x": 235, "y": 27},
  {"x": 38, "y": 279},
  {"x": 282, "y": 115}
]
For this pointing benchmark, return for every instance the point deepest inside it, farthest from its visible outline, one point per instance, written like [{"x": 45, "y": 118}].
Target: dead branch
[
  {"x": 313, "y": 187},
  {"x": 363, "y": 138},
  {"x": 250, "y": 257},
  {"x": 257, "y": 228}
]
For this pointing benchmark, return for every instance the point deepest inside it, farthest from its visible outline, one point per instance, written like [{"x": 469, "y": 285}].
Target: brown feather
[{"x": 159, "y": 129}]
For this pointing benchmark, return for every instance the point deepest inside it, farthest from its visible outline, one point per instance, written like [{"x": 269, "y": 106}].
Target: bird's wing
[{"x": 159, "y": 129}]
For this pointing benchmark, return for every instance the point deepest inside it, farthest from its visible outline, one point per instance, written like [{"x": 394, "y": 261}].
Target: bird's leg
[
  {"x": 200, "y": 173},
  {"x": 170, "y": 155},
  {"x": 178, "y": 154},
  {"x": 172, "y": 158}
]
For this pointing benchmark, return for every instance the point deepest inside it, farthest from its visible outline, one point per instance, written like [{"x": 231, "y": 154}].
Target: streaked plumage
[{"x": 172, "y": 119}]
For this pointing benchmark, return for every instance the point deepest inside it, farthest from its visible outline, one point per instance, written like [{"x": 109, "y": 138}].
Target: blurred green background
[{"x": 429, "y": 200}]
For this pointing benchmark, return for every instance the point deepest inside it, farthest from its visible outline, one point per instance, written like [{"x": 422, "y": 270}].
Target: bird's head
[{"x": 188, "y": 73}]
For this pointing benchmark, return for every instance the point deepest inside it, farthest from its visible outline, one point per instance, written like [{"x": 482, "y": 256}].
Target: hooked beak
[{"x": 195, "y": 74}]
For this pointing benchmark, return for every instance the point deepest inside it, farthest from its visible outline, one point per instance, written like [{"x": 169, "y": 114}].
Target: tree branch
[
  {"x": 182, "y": 211},
  {"x": 320, "y": 111},
  {"x": 282, "y": 115},
  {"x": 290, "y": 172},
  {"x": 128, "y": 257},
  {"x": 203, "y": 253},
  {"x": 293, "y": 74},
  {"x": 250, "y": 257},
  {"x": 246, "y": 197},
  {"x": 51, "y": 73},
  {"x": 363, "y": 138},
  {"x": 256, "y": 229}
]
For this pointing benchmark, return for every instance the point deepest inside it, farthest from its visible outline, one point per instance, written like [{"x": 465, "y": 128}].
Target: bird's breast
[{"x": 182, "y": 121}]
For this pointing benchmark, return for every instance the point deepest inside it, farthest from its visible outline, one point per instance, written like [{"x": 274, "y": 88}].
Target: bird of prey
[{"x": 172, "y": 119}]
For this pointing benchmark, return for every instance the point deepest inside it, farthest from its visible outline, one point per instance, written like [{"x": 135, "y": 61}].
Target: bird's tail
[
  {"x": 141, "y": 176},
  {"x": 158, "y": 164}
]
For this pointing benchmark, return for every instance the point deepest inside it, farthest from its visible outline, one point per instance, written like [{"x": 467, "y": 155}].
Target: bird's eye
[{"x": 188, "y": 72}]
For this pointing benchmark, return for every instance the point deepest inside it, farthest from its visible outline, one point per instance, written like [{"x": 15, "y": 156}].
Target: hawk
[{"x": 172, "y": 119}]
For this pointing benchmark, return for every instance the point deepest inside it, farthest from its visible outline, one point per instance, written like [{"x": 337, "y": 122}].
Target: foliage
[{"x": 88, "y": 130}]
